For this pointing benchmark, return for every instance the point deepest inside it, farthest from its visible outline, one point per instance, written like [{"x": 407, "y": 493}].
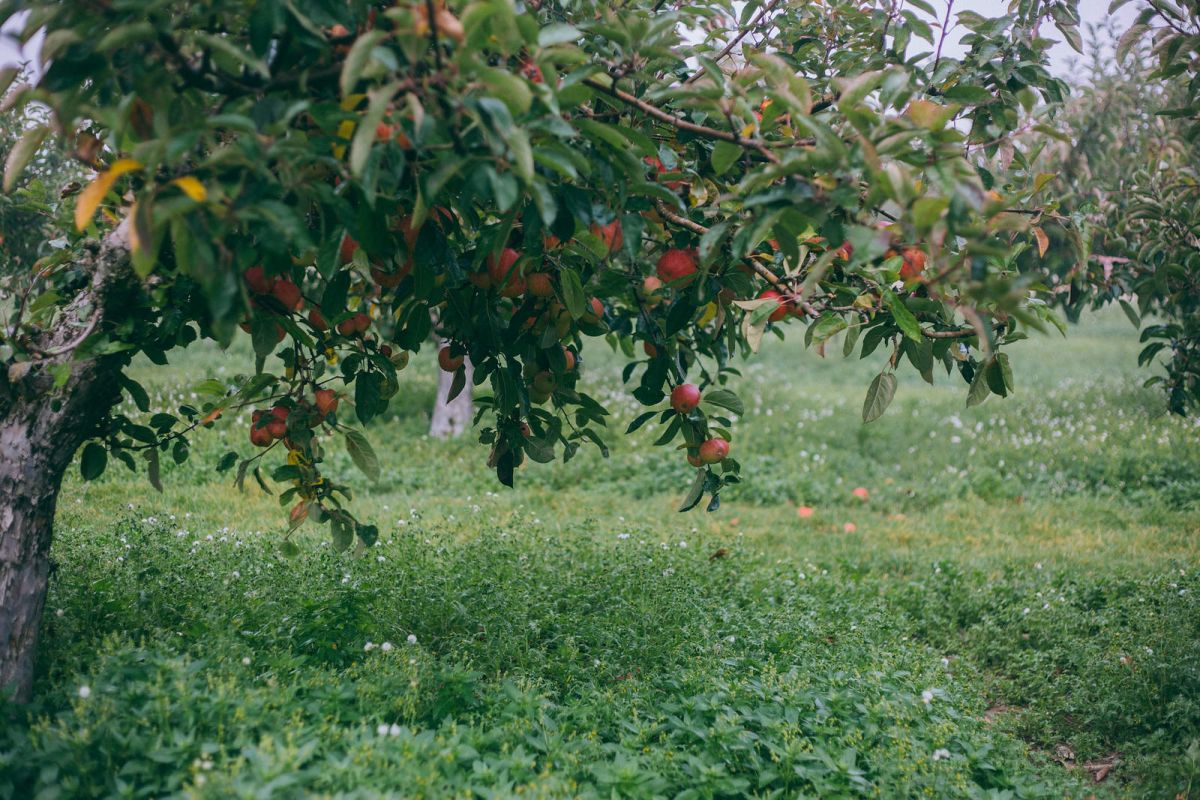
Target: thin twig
[{"x": 735, "y": 40}]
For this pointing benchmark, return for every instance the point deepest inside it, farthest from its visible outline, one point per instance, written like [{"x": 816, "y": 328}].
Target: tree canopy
[{"x": 337, "y": 179}]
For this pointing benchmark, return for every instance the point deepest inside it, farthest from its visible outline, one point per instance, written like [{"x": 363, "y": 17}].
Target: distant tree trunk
[
  {"x": 41, "y": 427},
  {"x": 453, "y": 417}
]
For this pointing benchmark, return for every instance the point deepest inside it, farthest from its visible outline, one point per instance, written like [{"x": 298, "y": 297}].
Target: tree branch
[
  {"x": 735, "y": 40},
  {"x": 681, "y": 123}
]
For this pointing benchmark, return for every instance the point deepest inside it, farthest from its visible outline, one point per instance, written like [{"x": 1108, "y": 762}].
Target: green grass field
[{"x": 1011, "y": 614}]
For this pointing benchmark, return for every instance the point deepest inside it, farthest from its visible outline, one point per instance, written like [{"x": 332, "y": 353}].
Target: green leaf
[
  {"x": 724, "y": 154},
  {"x": 971, "y": 95},
  {"x": 362, "y": 453},
  {"x": 511, "y": 90},
  {"x": 979, "y": 388},
  {"x": 558, "y": 33},
  {"x": 22, "y": 153},
  {"x": 724, "y": 398},
  {"x": 356, "y": 60},
  {"x": 879, "y": 396},
  {"x": 905, "y": 321},
  {"x": 1131, "y": 314},
  {"x": 573, "y": 295},
  {"x": 342, "y": 532},
  {"x": 641, "y": 420},
  {"x": 695, "y": 492},
  {"x": 93, "y": 461}
]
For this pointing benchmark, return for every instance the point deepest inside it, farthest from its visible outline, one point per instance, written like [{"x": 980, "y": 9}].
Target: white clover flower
[
  {"x": 59, "y": 612},
  {"x": 382, "y": 730},
  {"x": 927, "y": 696},
  {"x": 85, "y": 692},
  {"x": 622, "y": 535},
  {"x": 394, "y": 730},
  {"x": 368, "y": 647},
  {"x": 386, "y": 647},
  {"x": 412, "y": 638},
  {"x": 245, "y": 661},
  {"x": 940, "y": 753}
]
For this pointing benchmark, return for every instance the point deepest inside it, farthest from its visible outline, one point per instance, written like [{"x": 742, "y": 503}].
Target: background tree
[
  {"x": 315, "y": 174},
  {"x": 1128, "y": 213}
]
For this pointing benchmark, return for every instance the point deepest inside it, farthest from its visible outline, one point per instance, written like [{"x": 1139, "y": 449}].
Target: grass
[{"x": 1016, "y": 602}]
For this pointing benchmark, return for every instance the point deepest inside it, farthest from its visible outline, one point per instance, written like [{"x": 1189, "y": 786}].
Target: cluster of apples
[
  {"x": 685, "y": 398},
  {"x": 270, "y": 425}
]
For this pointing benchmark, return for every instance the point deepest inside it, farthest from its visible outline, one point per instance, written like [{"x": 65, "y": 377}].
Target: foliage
[
  {"x": 30, "y": 215},
  {"x": 519, "y": 170},
  {"x": 514, "y": 597},
  {"x": 1130, "y": 197}
]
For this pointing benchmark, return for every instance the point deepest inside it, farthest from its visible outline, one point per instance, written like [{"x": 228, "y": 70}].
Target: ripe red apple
[
  {"x": 346, "y": 251},
  {"x": 569, "y": 357},
  {"x": 611, "y": 234},
  {"x": 649, "y": 349},
  {"x": 326, "y": 401},
  {"x": 784, "y": 304},
  {"x": 448, "y": 361},
  {"x": 540, "y": 284},
  {"x": 651, "y": 291},
  {"x": 317, "y": 319},
  {"x": 714, "y": 450},
  {"x": 657, "y": 165},
  {"x": 277, "y": 424},
  {"x": 390, "y": 280},
  {"x": 531, "y": 71},
  {"x": 287, "y": 293},
  {"x": 498, "y": 268},
  {"x": 676, "y": 265},
  {"x": 914, "y": 263},
  {"x": 259, "y": 437},
  {"x": 694, "y": 459},
  {"x": 362, "y": 322},
  {"x": 596, "y": 312},
  {"x": 685, "y": 397},
  {"x": 257, "y": 280}
]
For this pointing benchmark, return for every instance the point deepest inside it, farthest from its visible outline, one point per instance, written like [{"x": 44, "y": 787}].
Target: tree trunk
[
  {"x": 450, "y": 418},
  {"x": 38, "y": 443},
  {"x": 41, "y": 427}
]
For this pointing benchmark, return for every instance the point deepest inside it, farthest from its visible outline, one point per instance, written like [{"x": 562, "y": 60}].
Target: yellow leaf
[
  {"x": 90, "y": 198},
  {"x": 1042, "y": 239},
  {"x": 345, "y": 131},
  {"x": 710, "y": 312},
  {"x": 135, "y": 241},
  {"x": 192, "y": 188}
]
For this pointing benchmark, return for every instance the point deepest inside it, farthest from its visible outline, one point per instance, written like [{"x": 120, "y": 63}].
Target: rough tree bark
[
  {"x": 41, "y": 427},
  {"x": 453, "y": 417}
]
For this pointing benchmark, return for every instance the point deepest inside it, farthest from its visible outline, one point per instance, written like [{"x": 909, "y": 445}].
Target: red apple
[
  {"x": 676, "y": 265},
  {"x": 714, "y": 450},
  {"x": 346, "y": 251},
  {"x": 277, "y": 424},
  {"x": 914, "y": 263},
  {"x": 500, "y": 267},
  {"x": 651, "y": 291},
  {"x": 287, "y": 293},
  {"x": 259, "y": 437},
  {"x": 257, "y": 280},
  {"x": 326, "y": 401},
  {"x": 611, "y": 234},
  {"x": 448, "y": 361},
  {"x": 784, "y": 304},
  {"x": 317, "y": 319},
  {"x": 540, "y": 284},
  {"x": 596, "y": 312},
  {"x": 685, "y": 397}
]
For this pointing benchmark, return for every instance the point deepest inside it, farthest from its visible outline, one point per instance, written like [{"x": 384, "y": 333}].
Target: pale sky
[{"x": 1061, "y": 55}]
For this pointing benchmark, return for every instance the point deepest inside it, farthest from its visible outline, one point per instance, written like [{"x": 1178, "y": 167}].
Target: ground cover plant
[{"x": 1017, "y": 592}]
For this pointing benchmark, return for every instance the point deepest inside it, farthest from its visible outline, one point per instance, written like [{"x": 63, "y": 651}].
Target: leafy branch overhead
[{"x": 678, "y": 182}]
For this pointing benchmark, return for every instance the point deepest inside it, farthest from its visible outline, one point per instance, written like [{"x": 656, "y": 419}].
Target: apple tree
[
  {"x": 1129, "y": 193},
  {"x": 321, "y": 175}
]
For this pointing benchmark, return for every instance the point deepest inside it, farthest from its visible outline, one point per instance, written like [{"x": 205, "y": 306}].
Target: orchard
[{"x": 512, "y": 193}]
